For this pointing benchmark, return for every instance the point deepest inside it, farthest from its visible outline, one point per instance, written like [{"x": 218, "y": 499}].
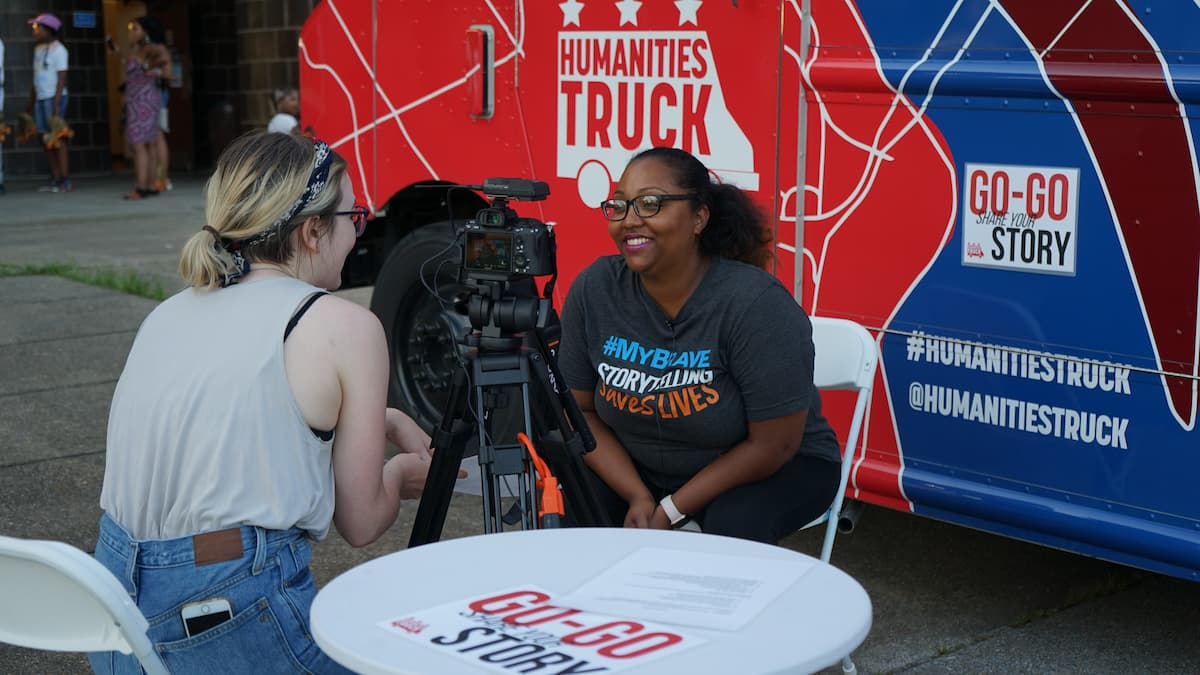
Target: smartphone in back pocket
[{"x": 201, "y": 615}]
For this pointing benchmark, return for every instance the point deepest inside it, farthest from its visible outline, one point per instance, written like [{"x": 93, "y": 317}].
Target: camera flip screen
[{"x": 489, "y": 251}]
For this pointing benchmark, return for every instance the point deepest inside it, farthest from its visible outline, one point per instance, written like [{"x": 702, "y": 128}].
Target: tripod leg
[
  {"x": 491, "y": 375},
  {"x": 449, "y": 442},
  {"x": 565, "y": 458}
]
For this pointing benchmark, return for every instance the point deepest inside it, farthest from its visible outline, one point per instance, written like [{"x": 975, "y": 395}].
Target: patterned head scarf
[{"x": 322, "y": 161}]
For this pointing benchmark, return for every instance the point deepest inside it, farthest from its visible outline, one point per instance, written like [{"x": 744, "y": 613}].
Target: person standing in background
[
  {"x": 173, "y": 78},
  {"x": 147, "y": 63},
  {"x": 287, "y": 111},
  {"x": 48, "y": 96}
]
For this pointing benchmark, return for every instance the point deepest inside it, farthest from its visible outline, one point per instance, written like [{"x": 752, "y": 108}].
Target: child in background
[
  {"x": 48, "y": 98},
  {"x": 287, "y": 111}
]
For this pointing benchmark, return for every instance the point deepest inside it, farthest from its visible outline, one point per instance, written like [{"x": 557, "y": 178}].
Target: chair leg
[{"x": 848, "y": 666}]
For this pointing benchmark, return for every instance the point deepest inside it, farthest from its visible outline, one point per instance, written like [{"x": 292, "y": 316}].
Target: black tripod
[{"x": 503, "y": 361}]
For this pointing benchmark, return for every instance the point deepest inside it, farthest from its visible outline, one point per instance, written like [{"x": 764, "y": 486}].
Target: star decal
[
  {"x": 687, "y": 11},
  {"x": 570, "y": 10},
  {"x": 629, "y": 10}
]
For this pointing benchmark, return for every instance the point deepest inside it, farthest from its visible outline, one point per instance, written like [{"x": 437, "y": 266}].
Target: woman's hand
[
  {"x": 410, "y": 439},
  {"x": 408, "y": 473},
  {"x": 641, "y": 512},
  {"x": 406, "y": 434},
  {"x": 659, "y": 520}
]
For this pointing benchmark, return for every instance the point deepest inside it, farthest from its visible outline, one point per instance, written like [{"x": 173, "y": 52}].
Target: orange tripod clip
[{"x": 550, "y": 506}]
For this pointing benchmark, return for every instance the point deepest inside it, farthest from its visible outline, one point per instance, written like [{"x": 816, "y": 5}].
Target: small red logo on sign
[{"x": 410, "y": 624}]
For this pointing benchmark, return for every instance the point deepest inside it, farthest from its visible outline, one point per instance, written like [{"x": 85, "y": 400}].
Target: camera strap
[{"x": 548, "y": 289}]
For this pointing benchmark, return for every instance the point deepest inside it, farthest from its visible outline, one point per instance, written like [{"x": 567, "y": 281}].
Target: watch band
[{"x": 673, "y": 514}]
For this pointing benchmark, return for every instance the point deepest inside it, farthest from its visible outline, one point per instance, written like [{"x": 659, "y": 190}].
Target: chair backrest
[
  {"x": 846, "y": 354},
  {"x": 846, "y": 358},
  {"x": 56, "y": 597}
]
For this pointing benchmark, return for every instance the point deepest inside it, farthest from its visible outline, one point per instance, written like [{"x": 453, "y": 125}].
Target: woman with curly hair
[{"x": 693, "y": 365}]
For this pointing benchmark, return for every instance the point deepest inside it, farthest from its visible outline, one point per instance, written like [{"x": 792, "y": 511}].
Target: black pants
[{"x": 765, "y": 511}]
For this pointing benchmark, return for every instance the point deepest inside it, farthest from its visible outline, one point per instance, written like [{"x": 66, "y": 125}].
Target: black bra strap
[
  {"x": 300, "y": 312},
  {"x": 321, "y": 434}
]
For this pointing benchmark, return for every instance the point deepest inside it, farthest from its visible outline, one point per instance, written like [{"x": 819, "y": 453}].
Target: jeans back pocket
[{"x": 251, "y": 642}]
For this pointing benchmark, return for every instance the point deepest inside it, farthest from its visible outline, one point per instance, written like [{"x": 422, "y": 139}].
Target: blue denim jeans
[
  {"x": 43, "y": 110},
  {"x": 270, "y": 589}
]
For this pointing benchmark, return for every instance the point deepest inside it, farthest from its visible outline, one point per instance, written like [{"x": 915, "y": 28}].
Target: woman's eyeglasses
[
  {"x": 358, "y": 216},
  {"x": 644, "y": 206}
]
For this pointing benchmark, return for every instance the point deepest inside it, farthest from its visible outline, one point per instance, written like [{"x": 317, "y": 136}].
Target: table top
[{"x": 812, "y": 624}]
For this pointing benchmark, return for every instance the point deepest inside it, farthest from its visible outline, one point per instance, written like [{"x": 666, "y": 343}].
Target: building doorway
[{"x": 180, "y": 138}]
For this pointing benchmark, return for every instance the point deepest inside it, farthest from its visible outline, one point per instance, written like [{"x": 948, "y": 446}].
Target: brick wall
[
  {"x": 240, "y": 52},
  {"x": 87, "y": 111},
  {"x": 268, "y": 32},
  {"x": 216, "y": 90}
]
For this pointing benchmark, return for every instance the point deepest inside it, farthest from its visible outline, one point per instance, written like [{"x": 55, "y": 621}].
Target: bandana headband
[{"x": 322, "y": 160}]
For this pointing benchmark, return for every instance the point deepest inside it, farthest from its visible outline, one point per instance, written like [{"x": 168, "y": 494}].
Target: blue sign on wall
[{"x": 83, "y": 19}]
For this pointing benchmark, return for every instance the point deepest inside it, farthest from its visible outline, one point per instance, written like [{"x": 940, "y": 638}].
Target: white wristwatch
[{"x": 673, "y": 514}]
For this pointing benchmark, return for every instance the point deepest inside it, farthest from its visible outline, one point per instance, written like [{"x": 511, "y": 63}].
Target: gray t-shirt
[{"x": 679, "y": 392}]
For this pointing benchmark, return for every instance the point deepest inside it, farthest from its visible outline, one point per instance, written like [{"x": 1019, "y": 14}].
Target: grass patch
[{"x": 125, "y": 281}]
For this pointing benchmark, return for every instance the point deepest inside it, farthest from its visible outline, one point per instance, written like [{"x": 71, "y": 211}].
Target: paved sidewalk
[{"x": 946, "y": 599}]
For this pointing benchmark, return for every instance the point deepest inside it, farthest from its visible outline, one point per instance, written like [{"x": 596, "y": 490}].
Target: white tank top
[{"x": 204, "y": 432}]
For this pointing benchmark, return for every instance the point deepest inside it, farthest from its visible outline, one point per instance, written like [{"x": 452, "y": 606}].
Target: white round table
[{"x": 812, "y": 624}]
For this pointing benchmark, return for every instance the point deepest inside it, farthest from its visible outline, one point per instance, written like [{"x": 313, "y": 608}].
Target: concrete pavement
[{"x": 946, "y": 599}]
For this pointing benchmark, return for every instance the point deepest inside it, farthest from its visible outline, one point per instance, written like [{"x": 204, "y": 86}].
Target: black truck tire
[
  {"x": 422, "y": 331},
  {"x": 424, "y": 334}
]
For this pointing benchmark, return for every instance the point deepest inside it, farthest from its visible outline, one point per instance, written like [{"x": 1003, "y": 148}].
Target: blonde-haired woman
[{"x": 245, "y": 399}]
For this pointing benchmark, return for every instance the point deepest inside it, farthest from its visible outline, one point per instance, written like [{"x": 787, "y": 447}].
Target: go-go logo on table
[{"x": 521, "y": 630}]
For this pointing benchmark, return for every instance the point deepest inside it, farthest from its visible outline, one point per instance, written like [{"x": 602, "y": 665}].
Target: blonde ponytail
[
  {"x": 203, "y": 263},
  {"x": 258, "y": 178}
]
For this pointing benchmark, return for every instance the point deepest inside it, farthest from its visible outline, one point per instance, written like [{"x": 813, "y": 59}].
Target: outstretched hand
[
  {"x": 412, "y": 470},
  {"x": 408, "y": 436},
  {"x": 411, "y": 440}
]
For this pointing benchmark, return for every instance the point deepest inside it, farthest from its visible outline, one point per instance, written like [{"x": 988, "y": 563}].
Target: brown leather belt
[{"x": 219, "y": 546}]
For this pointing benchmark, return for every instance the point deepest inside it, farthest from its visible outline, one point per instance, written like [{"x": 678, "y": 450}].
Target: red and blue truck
[{"x": 1005, "y": 192}]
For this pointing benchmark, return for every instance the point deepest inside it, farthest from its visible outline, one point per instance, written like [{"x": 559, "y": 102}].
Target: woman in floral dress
[{"x": 145, "y": 66}]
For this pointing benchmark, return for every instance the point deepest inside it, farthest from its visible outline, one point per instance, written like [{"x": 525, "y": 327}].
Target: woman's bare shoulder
[{"x": 337, "y": 316}]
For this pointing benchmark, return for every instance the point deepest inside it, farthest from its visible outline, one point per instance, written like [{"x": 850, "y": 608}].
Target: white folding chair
[
  {"x": 846, "y": 357},
  {"x": 58, "y": 598},
  {"x": 846, "y": 360}
]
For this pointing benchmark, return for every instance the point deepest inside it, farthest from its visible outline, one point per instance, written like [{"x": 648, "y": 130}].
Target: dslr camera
[
  {"x": 499, "y": 245},
  {"x": 501, "y": 255}
]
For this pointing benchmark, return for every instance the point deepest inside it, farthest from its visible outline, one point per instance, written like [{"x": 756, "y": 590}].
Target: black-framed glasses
[
  {"x": 358, "y": 216},
  {"x": 643, "y": 205}
]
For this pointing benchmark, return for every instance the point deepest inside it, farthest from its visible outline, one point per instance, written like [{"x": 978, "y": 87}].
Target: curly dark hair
[{"x": 736, "y": 227}]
